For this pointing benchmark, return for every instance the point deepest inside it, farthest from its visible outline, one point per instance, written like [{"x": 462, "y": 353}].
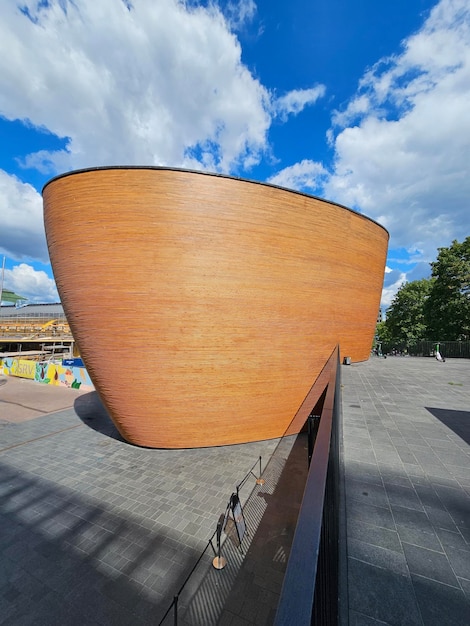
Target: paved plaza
[
  {"x": 96, "y": 531},
  {"x": 406, "y": 430}
]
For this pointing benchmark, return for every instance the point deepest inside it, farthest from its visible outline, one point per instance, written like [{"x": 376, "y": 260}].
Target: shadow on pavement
[
  {"x": 92, "y": 412},
  {"x": 68, "y": 561},
  {"x": 408, "y": 557},
  {"x": 248, "y": 587},
  {"x": 458, "y": 421}
]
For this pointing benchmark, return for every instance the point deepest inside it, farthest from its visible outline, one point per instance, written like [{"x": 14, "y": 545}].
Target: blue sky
[{"x": 364, "y": 103}]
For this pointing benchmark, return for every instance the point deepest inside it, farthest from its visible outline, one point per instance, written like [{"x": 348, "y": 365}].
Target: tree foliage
[
  {"x": 447, "y": 310},
  {"x": 383, "y": 340},
  {"x": 406, "y": 322},
  {"x": 436, "y": 308}
]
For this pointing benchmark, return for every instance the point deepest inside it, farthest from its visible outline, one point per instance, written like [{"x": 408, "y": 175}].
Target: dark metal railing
[
  {"x": 173, "y": 607},
  {"x": 448, "y": 349},
  {"x": 310, "y": 590}
]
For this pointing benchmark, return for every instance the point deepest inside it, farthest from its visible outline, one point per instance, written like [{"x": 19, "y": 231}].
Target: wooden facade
[{"x": 205, "y": 306}]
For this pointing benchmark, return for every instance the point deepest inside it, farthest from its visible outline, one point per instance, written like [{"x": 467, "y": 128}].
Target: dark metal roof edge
[{"x": 216, "y": 174}]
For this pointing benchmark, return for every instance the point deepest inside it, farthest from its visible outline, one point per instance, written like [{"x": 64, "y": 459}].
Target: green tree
[
  {"x": 382, "y": 334},
  {"x": 448, "y": 307},
  {"x": 406, "y": 323}
]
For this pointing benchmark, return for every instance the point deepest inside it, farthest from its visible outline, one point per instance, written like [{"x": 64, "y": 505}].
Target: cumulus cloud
[
  {"x": 393, "y": 280},
  {"x": 154, "y": 83},
  {"x": 402, "y": 144},
  {"x": 306, "y": 175},
  {"x": 22, "y": 233},
  {"x": 293, "y": 102},
  {"x": 34, "y": 285}
]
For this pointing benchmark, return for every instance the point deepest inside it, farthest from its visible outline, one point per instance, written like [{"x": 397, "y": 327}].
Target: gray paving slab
[
  {"x": 94, "y": 530},
  {"x": 407, "y": 496}
]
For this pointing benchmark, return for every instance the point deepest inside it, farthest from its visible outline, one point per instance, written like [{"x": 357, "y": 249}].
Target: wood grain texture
[{"x": 205, "y": 307}]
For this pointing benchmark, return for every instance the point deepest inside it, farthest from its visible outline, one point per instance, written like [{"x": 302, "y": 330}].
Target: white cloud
[
  {"x": 159, "y": 83},
  {"x": 358, "y": 106},
  {"x": 402, "y": 144},
  {"x": 306, "y": 175},
  {"x": 404, "y": 158},
  {"x": 394, "y": 279},
  {"x": 35, "y": 285},
  {"x": 239, "y": 12},
  {"x": 22, "y": 233},
  {"x": 293, "y": 102}
]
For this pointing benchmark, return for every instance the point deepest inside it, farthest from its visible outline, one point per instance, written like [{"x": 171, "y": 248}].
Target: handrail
[
  {"x": 174, "y": 603},
  {"x": 296, "y": 601}
]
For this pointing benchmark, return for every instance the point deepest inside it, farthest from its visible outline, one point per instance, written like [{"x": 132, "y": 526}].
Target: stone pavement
[
  {"x": 96, "y": 531},
  {"x": 406, "y": 429}
]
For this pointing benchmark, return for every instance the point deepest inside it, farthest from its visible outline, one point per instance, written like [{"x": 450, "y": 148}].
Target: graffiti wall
[{"x": 47, "y": 372}]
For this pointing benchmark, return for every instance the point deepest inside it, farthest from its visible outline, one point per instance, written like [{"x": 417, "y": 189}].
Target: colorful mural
[{"x": 47, "y": 372}]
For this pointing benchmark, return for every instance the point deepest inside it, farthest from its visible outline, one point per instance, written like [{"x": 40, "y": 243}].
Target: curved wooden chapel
[{"x": 205, "y": 306}]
